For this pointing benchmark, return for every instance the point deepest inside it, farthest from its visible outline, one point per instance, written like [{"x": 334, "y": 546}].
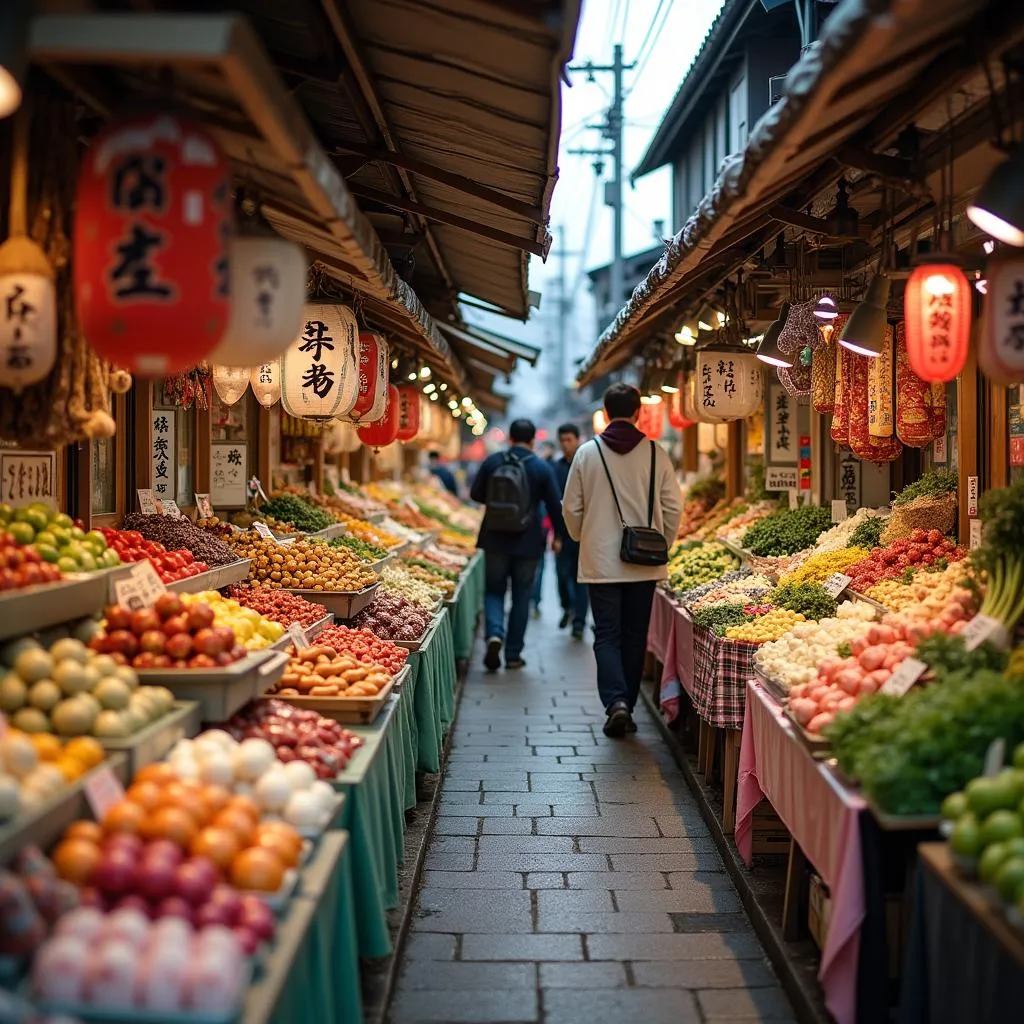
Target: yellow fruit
[
  {"x": 86, "y": 750},
  {"x": 70, "y": 767},
  {"x": 47, "y": 745}
]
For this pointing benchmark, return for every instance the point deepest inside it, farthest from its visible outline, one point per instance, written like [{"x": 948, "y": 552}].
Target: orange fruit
[
  {"x": 174, "y": 823},
  {"x": 76, "y": 860},
  {"x": 48, "y": 747},
  {"x": 88, "y": 830},
  {"x": 279, "y": 844},
  {"x": 146, "y": 794},
  {"x": 219, "y": 844},
  {"x": 246, "y": 804},
  {"x": 70, "y": 767},
  {"x": 124, "y": 816},
  {"x": 257, "y": 869},
  {"x": 85, "y": 749},
  {"x": 159, "y": 772},
  {"x": 214, "y": 798},
  {"x": 238, "y": 822}
]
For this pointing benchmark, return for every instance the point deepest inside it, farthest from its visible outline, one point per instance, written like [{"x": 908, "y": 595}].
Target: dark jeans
[
  {"x": 499, "y": 571},
  {"x": 622, "y": 613},
  {"x": 538, "y": 581},
  {"x": 573, "y": 595}
]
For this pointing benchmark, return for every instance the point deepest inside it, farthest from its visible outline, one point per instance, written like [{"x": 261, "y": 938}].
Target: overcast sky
[{"x": 664, "y": 36}]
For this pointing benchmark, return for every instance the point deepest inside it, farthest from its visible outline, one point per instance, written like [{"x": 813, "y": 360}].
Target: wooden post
[
  {"x": 967, "y": 436},
  {"x": 204, "y": 438},
  {"x": 263, "y": 466},
  {"x": 691, "y": 455},
  {"x": 734, "y": 461},
  {"x": 997, "y": 469},
  {"x": 318, "y": 465}
]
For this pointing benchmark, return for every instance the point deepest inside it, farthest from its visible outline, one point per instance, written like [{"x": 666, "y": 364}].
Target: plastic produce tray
[
  {"x": 349, "y": 710},
  {"x": 50, "y": 604},
  {"x": 343, "y": 604},
  {"x": 328, "y": 532},
  {"x": 154, "y": 741},
  {"x": 213, "y": 579}
]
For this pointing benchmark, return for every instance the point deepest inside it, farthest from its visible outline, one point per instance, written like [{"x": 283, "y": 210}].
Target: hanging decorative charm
[
  {"x": 230, "y": 382},
  {"x": 796, "y": 379},
  {"x": 374, "y": 363},
  {"x": 937, "y": 310},
  {"x": 268, "y": 290},
  {"x": 319, "y": 370},
  {"x": 652, "y": 417},
  {"x": 1001, "y": 342},
  {"x": 265, "y": 381},
  {"x": 382, "y": 432},
  {"x": 150, "y": 257},
  {"x": 408, "y": 412}
]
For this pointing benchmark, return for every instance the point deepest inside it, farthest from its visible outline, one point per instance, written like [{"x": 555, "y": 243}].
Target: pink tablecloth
[
  {"x": 821, "y": 815},
  {"x": 670, "y": 640}
]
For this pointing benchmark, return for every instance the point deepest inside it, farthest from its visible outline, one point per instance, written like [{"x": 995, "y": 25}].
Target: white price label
[
  {"x": 263, "y": 530},
  {"x": 147, "y": 501},
  {"x": 994, "y": 757},
  {"x": 794, "y": 497},
  {"x": 204, "y": 506},
  {"x": 975, "y": 535},
  {"x": 982, "y": 628},
  {"x": 836, "y": 584},
  {"x": 839, "y": 511},
  {"x": 103, "y": 789},
  {"x": 140, "y": 588},
  {"x": 298, "y": 637},
  {"x": 781, "y": 478},
  {"x": 972, "y": 496},
  {"x": 907, "y": 673},
  {"x": 169, "y": 507}
]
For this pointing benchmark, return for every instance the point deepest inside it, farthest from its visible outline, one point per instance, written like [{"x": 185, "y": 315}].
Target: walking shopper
[
  {"x": 622, "y": 504},
  {"x": 572, "y": 593},
  {"x": 513, "y": 485},
  {"x": 547, "y": 454},
  {"x": 443, "y": 473}
]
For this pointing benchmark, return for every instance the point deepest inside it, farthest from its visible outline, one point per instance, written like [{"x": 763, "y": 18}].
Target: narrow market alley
[{"x": 570, "y": 879}]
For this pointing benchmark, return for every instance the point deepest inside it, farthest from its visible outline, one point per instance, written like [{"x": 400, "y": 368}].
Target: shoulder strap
[
  {"x": 608, "y": 474},
  {"x": 650, "y": 492}
]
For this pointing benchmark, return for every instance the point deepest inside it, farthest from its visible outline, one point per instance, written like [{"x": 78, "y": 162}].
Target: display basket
[
  {"x": 221, "y": 691},
  {"x": 153, "y": 742},
  {"x": 928, "y": 512},
  {"x": 213, "y": 579},
  {"x": 49, "y": 604},
  {"x": 342, "y": 604},
  {"x": 348, "y": 710}
]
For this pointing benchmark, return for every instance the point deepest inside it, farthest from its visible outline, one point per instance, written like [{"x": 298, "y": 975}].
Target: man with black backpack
[{"x": 512, "y": 485}]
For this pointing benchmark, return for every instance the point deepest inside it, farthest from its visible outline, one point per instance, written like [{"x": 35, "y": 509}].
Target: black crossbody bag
[{"x": 641, "y": 545}]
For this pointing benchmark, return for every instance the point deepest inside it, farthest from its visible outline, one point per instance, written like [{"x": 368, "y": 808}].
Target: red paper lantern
[
  {"x": 374, "y": 361},
  {"x": 675, "y": 408},
  {"x": 937, "y": 312},
  {"x": 382, "y": 432},
  {"x": 408, "y": 412},
  {"x": 151, "y": 237},
  {"x": 652, "y": 418}
]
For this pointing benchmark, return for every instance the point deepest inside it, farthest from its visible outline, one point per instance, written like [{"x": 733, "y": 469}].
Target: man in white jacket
[{"x": 621, "y": 593}]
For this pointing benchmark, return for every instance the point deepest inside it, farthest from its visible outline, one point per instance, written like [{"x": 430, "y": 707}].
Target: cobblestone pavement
[{"x": 570, "y": 878}]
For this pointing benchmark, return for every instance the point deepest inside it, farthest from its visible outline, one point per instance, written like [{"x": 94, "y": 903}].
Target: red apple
[
  {"x": 201, "y": 661},
  {"x": 209, "y": 642},
  {"x": 144, "y": 620},
  {"x": 167, "y": 605},
  {"x": 118, "y": 617},
  {"x": 200, "y": 616},
  {"x": 178, "y": 645},
  {"x": 176, "y": 624},
  {"x": 121, "y": 641},
  {"x": 153, "y": 640}
]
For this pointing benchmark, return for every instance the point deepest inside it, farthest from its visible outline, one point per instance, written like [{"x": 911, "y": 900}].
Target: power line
[
  {"x": 625, "y": 23},
  {"x": 650, "y": 29},
  {"x": 613, "y": 21},
  {"x": 587, "y": 236},
  {"x": 641, "y": 61}
]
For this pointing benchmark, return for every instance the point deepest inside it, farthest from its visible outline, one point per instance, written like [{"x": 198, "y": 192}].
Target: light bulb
[{"x": 424, "y": 373}]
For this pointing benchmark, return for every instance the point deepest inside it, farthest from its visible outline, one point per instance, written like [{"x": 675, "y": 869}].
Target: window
[{"x": 738, "y": 115}]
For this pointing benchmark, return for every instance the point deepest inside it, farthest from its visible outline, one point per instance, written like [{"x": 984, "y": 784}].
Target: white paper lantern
[
  {"x": 28, "y": 329},
  {"x": 724, "y": 385},
  {"x": 320, "y": 368},
  {"x": 230, "y": 382},
  {"x": 268, "y": 290},
  {"x": 693, "y": 403},
  {"x": 265, "y": 381}
]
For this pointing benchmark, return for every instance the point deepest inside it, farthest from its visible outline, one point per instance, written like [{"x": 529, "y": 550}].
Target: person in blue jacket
[
  {"x": 574, "y": 596},
  {"x": 511, "y": 558},
  {"x": 443, "y": 473}
]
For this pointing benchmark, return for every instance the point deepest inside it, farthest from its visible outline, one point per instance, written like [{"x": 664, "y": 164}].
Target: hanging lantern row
[{"x": 726, "y": 384}]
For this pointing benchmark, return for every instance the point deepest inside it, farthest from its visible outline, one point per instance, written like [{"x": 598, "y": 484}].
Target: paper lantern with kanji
[
  {"x": 151, "y": 260},
  {"x": 382, "y": 432},
  {"x": 265, "y": 381},
  {"x": 1001, "y": 338},
  {"x": 230, "y": 382},
  {"x": 408, "y": 412},
  {"x": 374, "y": 362},
  {"x": 268, "y": 290},
  {"x": 28, "y": 329},
  {"x": 937, "y": 312},
  {"x": 725, "y": 384},
  {"x": 320, "y": 368},
  {"x": 652, "y": 417}
]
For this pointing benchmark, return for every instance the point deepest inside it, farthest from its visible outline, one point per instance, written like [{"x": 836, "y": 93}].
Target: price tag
[
  {"x": 103, "y": 789},
  {"x": 975, "y": 536},
  {"x": 147, "y": 502},
  {"x": 204, "y": 506},
  {"x": 794, "y": 497},
  {"x": 839, "y": 511},
  {"x": 994, "y": 757},
  {"x": 169, "y": 507},
  {"x": 263, "y": 530},
  {"x": 972, "y": 496},
  {"x": 907, "y": 673},
  {"x": 298, "y": 636},
  {"x": 836, "y": 584},
  {"x": 140, "y": 588},
  {"x": 982, "y": 628}
]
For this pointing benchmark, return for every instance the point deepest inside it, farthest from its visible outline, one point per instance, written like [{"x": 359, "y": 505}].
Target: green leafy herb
[
  {"x": 809, "y": 599},
  {"x": 720, "y": 617},
  {"x": 932, "y": 484},
  {"x": 868, "y": 534},
  {"x": 787, "y": 531}
]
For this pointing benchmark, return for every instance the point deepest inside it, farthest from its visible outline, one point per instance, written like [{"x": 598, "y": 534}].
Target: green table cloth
[
  {"x": 431, "y": 668},
  {"x": 467, "y": 607},
  {"x": 327, "y": 884},
  {"x": 377, "y": 786}
]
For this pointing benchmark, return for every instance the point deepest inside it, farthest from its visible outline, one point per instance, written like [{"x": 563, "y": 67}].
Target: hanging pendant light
[
  {"x": 864, "y": 332},
  {"x": 768, "y": 350},
  {"x": 230, "y": 382},
  {"x": 937, "y": 313},
  {"x": 998, "y": 208},
  {"x": 825, "y": 309}
]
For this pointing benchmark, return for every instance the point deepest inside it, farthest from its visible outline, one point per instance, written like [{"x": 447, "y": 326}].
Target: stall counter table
[
  {"x": 466, "y": 610},
  {"x": 431, "y": 684},
  {"x": 377, "y": 783}
]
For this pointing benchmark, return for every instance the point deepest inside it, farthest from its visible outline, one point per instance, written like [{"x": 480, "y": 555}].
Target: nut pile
[
  {"x": 393, "y": 617},
  {"x": 398, "y": 580},
  {"x": 321, "y": 671},
  {"x": 304, "y": 565},
  {"x": 181, "y": 533}
]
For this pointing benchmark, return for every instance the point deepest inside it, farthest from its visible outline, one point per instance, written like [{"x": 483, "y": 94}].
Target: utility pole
[
  {"x": 612, "y": 131},
  {"x": 562, "y": 309}
]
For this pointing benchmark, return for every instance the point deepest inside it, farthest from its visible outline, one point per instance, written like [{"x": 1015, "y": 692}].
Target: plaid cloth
[{"x": 721, "y": 669}]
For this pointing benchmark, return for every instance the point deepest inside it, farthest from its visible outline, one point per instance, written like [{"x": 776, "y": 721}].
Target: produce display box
[
  {"x": 311, "y": 632},
  {"x": 374, "y": 517},
  {"x": 51, "y": 604},
  {"x": 221, "y": 691},
  {"x": 902, "y": 822},
  {"x": 342, "y": 604},
  {"x": 348, "y": 710},
  {"x": 454, "y": 599},
  {"x": 44, "y": 825},
  {"x": 154, "y": 741},
  {"x": 213, "y": 579},
  {"x": 778, "y": 690},
  {"x": 328, "y": 532},
  {"x": 415, "y": 645},
  {"x": 817, "y": 746},
  {"x": 381, "y": 562}
]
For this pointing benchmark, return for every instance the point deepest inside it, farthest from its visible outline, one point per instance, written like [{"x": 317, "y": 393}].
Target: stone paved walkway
[{"x": 570, "y": 879}]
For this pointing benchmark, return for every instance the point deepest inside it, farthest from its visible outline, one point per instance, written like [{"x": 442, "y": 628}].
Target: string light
[
  {"x": 425, "y": 373},
  {"x": 429, "y": 389},
  {"x": 442, "y": 386}
]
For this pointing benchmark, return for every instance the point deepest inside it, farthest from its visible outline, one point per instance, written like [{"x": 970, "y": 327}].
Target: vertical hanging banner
[
  {"x": 972, "y": 496},
  {"x": 163, "y": 455},
  {"x": 27, "y": 478},
  {"x": 780, "y": 444},
  {"x": 1016, "y": 425},
  {"x": 849, "y": 477},
  {"x": 228, "y": 473}
]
